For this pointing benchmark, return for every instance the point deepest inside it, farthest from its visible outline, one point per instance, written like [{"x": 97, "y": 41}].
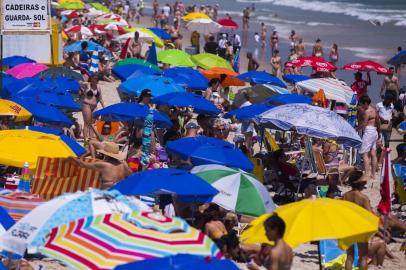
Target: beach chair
[
  {"x": 332, "y": 257},
  {"x": 321, "y": 167}
]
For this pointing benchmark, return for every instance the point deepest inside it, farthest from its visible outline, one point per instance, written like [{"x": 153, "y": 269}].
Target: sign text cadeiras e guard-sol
[{"x": 25, "y": 15}]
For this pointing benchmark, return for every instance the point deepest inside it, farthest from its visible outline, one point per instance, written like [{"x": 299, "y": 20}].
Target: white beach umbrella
[
  {"x": 142, "y": 36},
  {"x": 203, "y": 26}
]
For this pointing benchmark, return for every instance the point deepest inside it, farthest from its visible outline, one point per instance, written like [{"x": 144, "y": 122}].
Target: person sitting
[{"x": 106, "y": 136}]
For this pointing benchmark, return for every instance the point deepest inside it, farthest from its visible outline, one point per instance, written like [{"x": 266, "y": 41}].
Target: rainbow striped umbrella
[{"x": 105, "y": 241}]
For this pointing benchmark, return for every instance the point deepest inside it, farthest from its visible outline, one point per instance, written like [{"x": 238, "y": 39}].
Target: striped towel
[
  {"x": 55, "y": 176},
  {"x": 94, "y": 63},
  {"x": 18, "y": 204}
]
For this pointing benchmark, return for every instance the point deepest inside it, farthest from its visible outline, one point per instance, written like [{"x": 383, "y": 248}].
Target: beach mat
[{"x": 18, "y": 204}]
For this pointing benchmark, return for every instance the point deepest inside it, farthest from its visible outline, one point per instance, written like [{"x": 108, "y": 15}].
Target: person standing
[
  {"x": 360, "y": 86},
  {"x": 293, "y": 38},
  {"x": 334, "y": 54},
  {"x": 211, "y": 46},
  {"x": 236, "y": 42},
  {"x": 222, "y": 45},
  {"x": 318, "y": 49},
  {"x": 385, "y": 111},
  {"x": 195, "y": 41},
  {"x": 263, "y": 35},
  {"x": 300, "y": 49},
  {"x": 246, "y": 18},
  {"x": 252, "y": 62},
  {"x": 274, "y": 41},
  {"x": 398, "y": 66},
  {"x": 390, "y": 85},
  {"x": 276, "y": 64},
  {"x": 136, "y": 46},
  {"x": 155, "y": 6}
]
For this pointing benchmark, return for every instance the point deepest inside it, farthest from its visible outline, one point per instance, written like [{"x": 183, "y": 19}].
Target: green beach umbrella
[
  {"x": 239, "y": 191},
  {"x": 72, "y": 5},
  {"x": 129, "y": 61},
  {"x": 176, "y": 58},
  {"x": 100, "y": 7},
  {"x": 209, "y": 60}
]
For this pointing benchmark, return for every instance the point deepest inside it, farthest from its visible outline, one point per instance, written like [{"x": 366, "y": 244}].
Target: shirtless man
[
  {"x": 263, "y": 35},
  {"x": 136, "y": 45},
  {"x": 369, "y": 124},
  {"x": 390, "y": 85},
  {"x": 300, "y": 48},
  {"x": 293, "y": 38},
  {"x": 252, "y": 62},
  {"x": 318, "y": 49},
  {"x": 355, "y": 196}
]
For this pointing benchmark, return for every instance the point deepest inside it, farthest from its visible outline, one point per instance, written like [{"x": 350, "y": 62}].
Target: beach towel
[
  {"x": 146, "y": 137},
  {"x": 55, "y": 176},
  {"x": 18, "y": 204}
]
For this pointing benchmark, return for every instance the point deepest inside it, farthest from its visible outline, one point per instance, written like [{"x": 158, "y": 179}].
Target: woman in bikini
[
  {"x": 274, "y": 41},
  {"x": 276, "y": 64}
]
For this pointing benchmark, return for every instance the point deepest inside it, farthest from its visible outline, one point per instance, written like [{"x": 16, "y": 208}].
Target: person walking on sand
[
  {"x": 274, "y": 40},
  {"x": 369, "y": 124},
  {"x": 246, "y": 18},
  {"x": 293, "y": 38},
  {"x": 360, "y": 86},
  {"x": 300, "y": 48},
  {"x": 390, "y": 85},
  {"x": 334, "y": 54},
  {"x": 276, "y": 63},
  {"x": 263, "y": 35},
  {"x": 318, "y": 49},
  {"x": 252, "y": 62}
]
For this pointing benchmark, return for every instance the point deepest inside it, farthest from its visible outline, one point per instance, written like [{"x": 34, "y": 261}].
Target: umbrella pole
[
  {"x": 262, "y": 139},
  {"x": 319, "y": 255}
]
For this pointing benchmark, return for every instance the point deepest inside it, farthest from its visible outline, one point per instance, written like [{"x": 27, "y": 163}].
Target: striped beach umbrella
[
  {"x": 94, "y": 63},
  {"x": 240, "y": 191},
  {"x": 105, "y": 241},
  {"x": 18, "y": 204}
]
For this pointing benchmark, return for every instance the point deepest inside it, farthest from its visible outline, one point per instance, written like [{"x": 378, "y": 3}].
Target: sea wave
[
  {"x": 367, "y": 53},
  {"x": 360, "y": 11}
]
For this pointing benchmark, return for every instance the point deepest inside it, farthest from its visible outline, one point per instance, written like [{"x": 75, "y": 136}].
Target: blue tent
[
  {"x": 293, "y": 78},
  {"x": 157, "y": 84},
  {"x": 248, "y": 112},
  {"x": 124, "y": 72},
  {"x": 162, "y": 34},
  {"x": 15, "y": 60},
  {"x": 187, "y": 77},
  {"x": 398, "y": 59},
  {"x": 260, "y": 77},
  {"x": 185, "y": 185},
  {"x": 288, "y": 99}
]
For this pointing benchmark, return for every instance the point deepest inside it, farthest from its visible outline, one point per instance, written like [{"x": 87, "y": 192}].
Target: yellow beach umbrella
[
  {"x": 147, "y": 32},
  {"x": 194, "y": 16},
  {"x": 318, "y": 219},
  {"x": 10, "y": 108},
  {"x": 19, "y": 146}
]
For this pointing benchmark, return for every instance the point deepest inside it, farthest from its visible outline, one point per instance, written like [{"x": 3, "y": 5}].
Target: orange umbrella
[
  {"x": 229, "y": 80},
  {"x": 319, "y": 99}
]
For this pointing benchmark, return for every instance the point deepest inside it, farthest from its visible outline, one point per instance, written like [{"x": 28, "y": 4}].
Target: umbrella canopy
[
  {"x": 312, "y": 121},
  {"x": 209, "y": 60},
  {"x": 64, "y": 209},
  {"x": 123, "y": 72},
  {"x": 239, "y": 191},
  {"x": 185, "y": 185},
  {"x": 6, "y": 221},
  {"x": 100, "y": 7},
  {"x": 131, "y": 112},
  {"x": 19, "y": 204},
  {"x": 260, "y": 77},
  {"x": 162, "y": 34},
  {"x": 203, "y": 26},
  {"x": 10, "y": 108},
  {"x": 228, "y": 23},
  {"x": 180, "y": 262},
  {"x": 116, "y": 239},
  {"x": 225, "y": 73},
  {"x": 317, "y": 63},
  {"x": 157, "y": 84},
  {"x": 398, "y": 59},
  {"x": 26, "y": 70},
  {"x": 333, "y": 89},
  {"x": 206, "y": 150},
  {"x": 248, "y": 112},
  {"x": 175, "y": 58},
  {"x": 61, "y": 72},
  {"x": 289, "y": 99},
  {"x": 367, "y": 65},
  {"x": 183, "y": 99},
  {"x": 402, "y": 126},
  {"x": 194, "y": 16},
  {"x": 318, "y": 219},
  {"x": 72, "y": 5},
  {"x": 293, "y": 78},
  {"x": 258, "y": 94},
  {"x": 15, "y": 60},
  {"x": 137, "y": 61},
  {"x": 144, "y": 34},
  {"x": 187, "y": 77},
  {"x": 79, "y": 29},
  {"x": 19, "y": 146},
  {"x": 92, "y": 46}
]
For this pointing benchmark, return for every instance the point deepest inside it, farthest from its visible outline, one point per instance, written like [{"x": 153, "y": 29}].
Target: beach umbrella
[
  {"x": 333, "y": 89},
  {"x": 312, "y": 121},
  {"x": 175, "y": 58},
  {"x": 293, "y": 78},
  {"x": 289, "y": 99},
  {"x": 225, "y": 75},
  {"x": 367, "y": 65},
  {"x": 208, "y": 60},
  {"x": 45, "y": 114},
  {"x": 257, "y": 93},
  {"x": 248, "y": 112},
  {"x": 199, "y": 104},
  {"x": 101, "y": 7},
  {"x": 117, "y": 239},
  {"x": 402, "y": 126},
  {"x": 79, "y": 29},
  {"x": 92, "y": 46},
  {"x": 203, "y": 26},
  {"x": 187, "y": 77},
  {"x": 141, "y": 62},
  {"x": 15, "y": 60},
  {"x": 186, "y": 186},
  {"x": 260, "y": 77},
  {"x": 110, "y": 16},
  {"x": 118, "y": 21},
  {"x": 161, "y": 33},
  {"x": 131, "y": 112},
  {"x": 92, "y": 12},
  {"x": 144, "y": 34},
  {"x": 53, "y": 85},
  {"x": 180, "y": 262},
  {"x": 398, "y": 59},
  {"x": 26, "y": 70},
  {"x": 6, "y": 221},
  {"x": 239, "y": 191},
  {"x": 77, "y": 5},
  {"x": 158, "y": 85},
  {"x": 64, "y": 209},
  {"x": 194, "y": 16},
  {"x": 70, "y": 13},
  {"x": 15, "y": 110},
  {"x": 318, "y": 219},
  {"x": 18, "y": 204},
  {"x": 124, "y": 72},
  {"x": 317, "y": 63},
  {"x": 152, "y": 56},
  {"x": 207, "y": 150},
  {"x": 19, "y": 146},
  {"x": 228, "y": 23}
]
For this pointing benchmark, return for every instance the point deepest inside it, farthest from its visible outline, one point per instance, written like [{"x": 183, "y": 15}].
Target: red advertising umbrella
[
  {"x": 367, "y": 66},
  {"x": 228, "y": 23},
  {"x": 317, "y": 63},
  {"x": 100, "y": 28},
  {"x": 79, "y": 29}
]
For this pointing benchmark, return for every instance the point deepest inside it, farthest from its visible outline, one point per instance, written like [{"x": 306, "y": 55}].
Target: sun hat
[{"x": 112, "y": 150}]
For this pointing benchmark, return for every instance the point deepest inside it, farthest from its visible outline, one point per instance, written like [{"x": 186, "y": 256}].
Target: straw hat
[{"x": 112, "y": 150}]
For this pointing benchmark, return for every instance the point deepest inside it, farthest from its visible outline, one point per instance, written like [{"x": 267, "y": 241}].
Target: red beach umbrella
[
  {"x": 228, "y": 23},
  {"x": 367, "y": 65},
  {"x": 317, "y": 63},
  {"x": 79, "y": 29}
]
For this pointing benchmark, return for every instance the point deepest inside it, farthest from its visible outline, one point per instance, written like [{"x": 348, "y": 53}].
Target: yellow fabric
[
  {"x": 158, "y": 42},
  {"x": 319, "y": 99},
  {"x": 271, "y": 141},
  {"x": 10, "y": 108},
  {"x": 19, "y": 146},
  {"x": 318, "y": 219},
  {"x": 194, "y": 16},
  {"x": 70, "y": 1},
  {"x": 338, "y": 263},
  {"x": 258, "y": 170}
]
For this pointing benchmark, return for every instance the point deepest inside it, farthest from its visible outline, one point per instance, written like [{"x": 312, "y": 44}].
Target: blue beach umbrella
[
  {"x": 158, "y": 85},
  {"x": 92, "y": 46},
  {"x": 180, "y": 262},
  {"x": 185, "y": 185},
  {"x": 162, "y": 34},
  {"x": 293, "y": 78},
  {"x": 183, "y": 99},
  {"x": 260, "y": 77},
  {"x": 402, "y": 126},
  {"x": 124, "y": 72},
  {"x": 207, "y": 150},
  {"x": 131, "y": 112},
  {"x": 187, "y": 77},
  {"x": 398, "y": 59},
  {"x": 152, "y": 57},
  {"x": 248, "y": 112},
  {"x": 15, "y": 60},
  {"x": 288, "y": 99}
]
